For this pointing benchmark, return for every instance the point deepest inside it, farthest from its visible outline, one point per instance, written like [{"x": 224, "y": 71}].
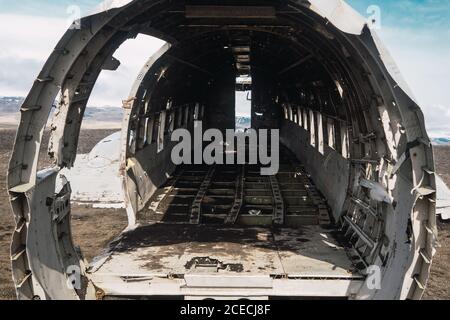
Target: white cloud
[
  {"x": 114, "y": 86},
  {"x": 26, "y": 43},
  {"x": 243, "y": 106},
  {"x": 29, "y": 41},
  {"x": 422, "y": 56},
  {"x": 29, "y": 37}
]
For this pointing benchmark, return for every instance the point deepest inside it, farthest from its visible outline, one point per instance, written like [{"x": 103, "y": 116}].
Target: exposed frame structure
[{"x": 382, "y": 127}]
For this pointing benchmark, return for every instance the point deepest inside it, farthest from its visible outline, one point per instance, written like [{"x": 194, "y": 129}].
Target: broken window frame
[
  {"x": 150, "y": 125},
  {"x": 331, "y": 133},
  {"x": 155, "y": 133},
  {"x": 305, "y": 119},
  {"x": 312, "y": 129},
  {"x": 320, "y": 136},
  {"x": 161, "y": 130}
]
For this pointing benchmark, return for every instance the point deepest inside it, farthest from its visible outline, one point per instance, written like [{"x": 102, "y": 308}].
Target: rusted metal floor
[
  {"x": 228, "y": 226},
  {"x": 230, "y": 219},
  {"x": 175, "y": 249},
  {"x": 222, "y": 262}
]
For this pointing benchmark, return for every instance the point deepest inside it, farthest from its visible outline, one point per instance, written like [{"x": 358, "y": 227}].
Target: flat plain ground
[{"x": 93, "y": 229}]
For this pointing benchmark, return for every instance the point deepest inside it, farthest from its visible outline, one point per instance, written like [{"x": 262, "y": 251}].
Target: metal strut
[
  {"x": 196, "y": 209},
  {"x": 239, "y": 198},
  {"x": 278, "y": 212}
]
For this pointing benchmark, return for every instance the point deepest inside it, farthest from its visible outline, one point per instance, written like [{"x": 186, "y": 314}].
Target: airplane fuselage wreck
[{"x": 349, "y": 214}]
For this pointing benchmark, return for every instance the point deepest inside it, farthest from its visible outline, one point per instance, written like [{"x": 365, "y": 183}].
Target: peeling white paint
[{"x": 95, "y": 178}]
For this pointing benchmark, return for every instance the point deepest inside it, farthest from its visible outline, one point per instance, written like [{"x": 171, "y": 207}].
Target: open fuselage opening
[
  {"x": 216, "y": 214},
  {"x": 243, "y": 102}
]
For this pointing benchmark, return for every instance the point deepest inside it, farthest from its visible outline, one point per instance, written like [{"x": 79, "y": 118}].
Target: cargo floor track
[{"x": 230, "y": 231}]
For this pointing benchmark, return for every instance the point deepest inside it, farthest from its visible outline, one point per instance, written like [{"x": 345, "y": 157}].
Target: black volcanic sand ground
[
  {"x": 93, "y": 229},
  {"x": 439, "y": 283}
]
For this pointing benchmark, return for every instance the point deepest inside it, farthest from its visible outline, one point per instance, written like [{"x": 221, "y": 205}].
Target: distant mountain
[
  {"x": 10, "y": 104},
  {"x": 9, "y": 107},
  {"x": 104, "y": 114},
  {"x": 243, "y": 120},
  {"x": 243, "y": 123},
  {"x": 440, "y": 141}
]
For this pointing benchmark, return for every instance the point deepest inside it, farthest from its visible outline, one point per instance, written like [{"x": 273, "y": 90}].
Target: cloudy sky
[{"x": 417, "y": 33}]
